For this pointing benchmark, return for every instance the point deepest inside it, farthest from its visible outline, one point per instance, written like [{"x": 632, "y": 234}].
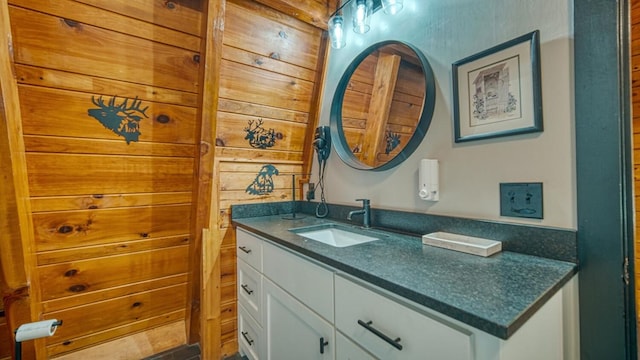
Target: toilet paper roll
[{"x": 36, "y": 330}]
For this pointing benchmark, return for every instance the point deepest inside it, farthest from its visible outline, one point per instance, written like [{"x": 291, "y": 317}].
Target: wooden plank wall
[
  {"x": 109, "y": 93},
  {"x": 635, "y": 83},
  {"x": 109, "y": 96},
  {"x": 270, "y": 77}
]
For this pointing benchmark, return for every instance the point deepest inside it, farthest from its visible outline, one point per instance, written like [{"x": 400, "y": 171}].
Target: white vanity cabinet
[{"x": 291, "y": 307}]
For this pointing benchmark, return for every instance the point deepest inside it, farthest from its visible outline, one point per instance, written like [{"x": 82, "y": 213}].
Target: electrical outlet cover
[{"x": 521, "y": 200}]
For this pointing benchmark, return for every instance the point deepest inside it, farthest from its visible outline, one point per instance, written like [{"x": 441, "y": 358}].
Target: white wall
[{"x": 470, "y": 173}]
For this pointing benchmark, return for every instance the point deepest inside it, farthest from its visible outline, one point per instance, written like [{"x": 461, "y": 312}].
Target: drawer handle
[
  {"x": 245, "y": 335},
  {"x": 244, "y": 248},
  {"x": 323, "y": 343},
  {"x": 367, "y": 325},
  {"x": 246, "y": 289}
]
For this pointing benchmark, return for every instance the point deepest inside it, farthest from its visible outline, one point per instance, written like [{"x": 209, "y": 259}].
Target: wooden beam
[
  {"x": 207, "y": 332},
  {"x": 17, "y": 260},
  {"x": 310, "y": 11},
  {"x": 210, "y": 339},
  {"x": 384, "y": 85},
  {"x": 314, "y": 114}
]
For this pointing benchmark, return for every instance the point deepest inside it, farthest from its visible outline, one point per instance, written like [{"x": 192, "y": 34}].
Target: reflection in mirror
[{"x": 383, "y": 106}]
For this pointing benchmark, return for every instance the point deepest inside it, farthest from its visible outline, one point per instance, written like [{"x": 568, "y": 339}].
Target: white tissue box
[{"x": 463, "y": 243}]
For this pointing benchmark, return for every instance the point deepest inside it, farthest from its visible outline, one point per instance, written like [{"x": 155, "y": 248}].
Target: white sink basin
[{"x": 333, "y": 234}]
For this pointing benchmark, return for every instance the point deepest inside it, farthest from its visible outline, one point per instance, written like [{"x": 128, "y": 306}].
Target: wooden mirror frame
[{"x": 337, "y": 134}]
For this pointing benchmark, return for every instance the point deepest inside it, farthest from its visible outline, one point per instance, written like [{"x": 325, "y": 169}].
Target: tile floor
[{"x": 186, "y": 352}]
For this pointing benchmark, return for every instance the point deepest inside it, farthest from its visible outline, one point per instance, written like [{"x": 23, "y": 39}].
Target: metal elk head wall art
[{"x": 122, "y": 118}]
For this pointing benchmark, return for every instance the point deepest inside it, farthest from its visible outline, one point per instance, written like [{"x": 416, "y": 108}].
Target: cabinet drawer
[
  {"x": 250, "y": 289},
  {"x": 306, "y": 281},
  {"x": 249, "y": 335},
  {"x": 361, "y": 313},
  {"x": 249, "y": 248}
]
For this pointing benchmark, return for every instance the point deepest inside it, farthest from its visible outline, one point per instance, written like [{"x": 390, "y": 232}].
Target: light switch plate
[{"x": 521, "y": 200}]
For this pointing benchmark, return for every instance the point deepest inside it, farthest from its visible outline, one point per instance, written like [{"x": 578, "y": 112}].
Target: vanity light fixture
[{"x": 361, "y": 17}]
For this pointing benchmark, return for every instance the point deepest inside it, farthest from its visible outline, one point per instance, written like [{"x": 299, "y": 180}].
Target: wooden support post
[
  {"x": 17, "y": 260},
  {"x": 203, "y": 320},
  {"x": 384, "y": 85}
]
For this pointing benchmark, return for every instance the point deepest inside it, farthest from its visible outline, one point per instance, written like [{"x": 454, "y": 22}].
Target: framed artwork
[{"x": 497, "y": 92}]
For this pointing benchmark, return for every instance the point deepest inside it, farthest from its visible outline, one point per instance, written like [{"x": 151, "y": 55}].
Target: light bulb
[
  {"x": 362, "y": 15},
  {"x": 392, "y": 7},
  {"x": 336, "y": 32}
]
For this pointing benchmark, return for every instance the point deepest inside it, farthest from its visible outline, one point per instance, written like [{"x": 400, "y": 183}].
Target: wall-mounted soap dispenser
[{"x": 428, "y": 188}]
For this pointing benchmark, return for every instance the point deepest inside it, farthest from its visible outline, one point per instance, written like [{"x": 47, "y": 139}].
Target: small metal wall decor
[
  {"x": 393, "y": 140},
  {"x": 263, "y": 183},
  {"x": 259, "y": 137},
  {"x": 123, "y": 118}
]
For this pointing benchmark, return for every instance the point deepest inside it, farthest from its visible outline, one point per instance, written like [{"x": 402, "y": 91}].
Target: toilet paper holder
[{"x": 32, "y": 331}]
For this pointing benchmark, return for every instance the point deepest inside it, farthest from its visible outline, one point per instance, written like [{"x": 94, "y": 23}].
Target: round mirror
[{"x": 382, "y": 106}]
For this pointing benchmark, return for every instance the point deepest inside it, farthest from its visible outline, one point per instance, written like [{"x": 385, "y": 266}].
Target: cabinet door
[{"x": 292, "y": 331}]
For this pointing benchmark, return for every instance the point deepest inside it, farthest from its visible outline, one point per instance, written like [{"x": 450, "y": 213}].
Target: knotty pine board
[
  {"x": 96, "y": 317},
  {"x": 72, "y": 229},
  {"x": 123, "y": 23},
  {"x": 71, "y": 174},
  {"x": 84, "y": 276},
  {"x": 48, "y": 41},
  {"x": 266, "y": 32},
  {"x": 50, "y": 78},
  {"x": 54, "y": 112}
]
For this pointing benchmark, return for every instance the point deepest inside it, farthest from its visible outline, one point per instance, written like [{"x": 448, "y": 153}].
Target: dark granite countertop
[{"x": 496, "y": 294}]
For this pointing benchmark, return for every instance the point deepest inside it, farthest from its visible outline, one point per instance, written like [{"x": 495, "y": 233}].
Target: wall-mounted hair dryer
[{"x": 322, "y": 143}]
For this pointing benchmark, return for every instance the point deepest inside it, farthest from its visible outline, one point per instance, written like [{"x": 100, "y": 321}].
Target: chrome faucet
[{"x": 365, "y": 211}]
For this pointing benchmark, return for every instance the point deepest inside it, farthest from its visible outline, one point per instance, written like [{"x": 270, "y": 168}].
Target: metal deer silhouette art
[
  {"x": 123, "y": 119},
  {"x": 259, "y": 137}
]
